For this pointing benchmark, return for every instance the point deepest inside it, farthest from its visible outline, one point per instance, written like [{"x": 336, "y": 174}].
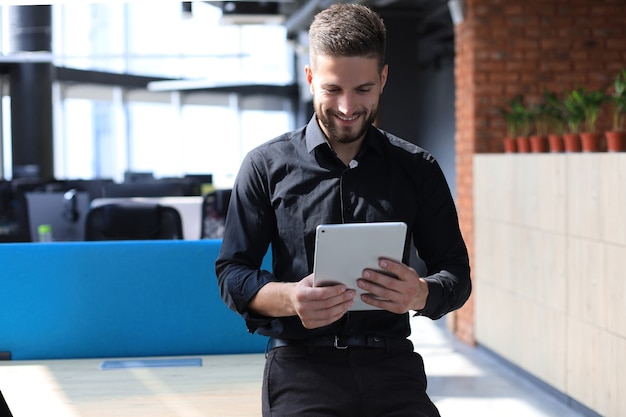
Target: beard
[{"x": 347, "y": 134}]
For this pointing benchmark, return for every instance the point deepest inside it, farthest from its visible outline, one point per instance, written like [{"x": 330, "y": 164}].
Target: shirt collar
[{"x": 316, "y": 137}]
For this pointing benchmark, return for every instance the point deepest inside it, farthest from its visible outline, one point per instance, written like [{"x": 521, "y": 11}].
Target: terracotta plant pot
[
  {"x": 510, "y": 145},
  {"x": 523, "y": 144},
  {"x": 616, "y": 141},
  {"x": 572, "y": 142},
  {"x": 538, "y": 144},
  {"x": 556, "y": 143},
  {"x": 590, "y": 141}
]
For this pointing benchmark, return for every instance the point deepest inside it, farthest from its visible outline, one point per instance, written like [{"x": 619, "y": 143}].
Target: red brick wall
[{"x": 505, "y": 48}]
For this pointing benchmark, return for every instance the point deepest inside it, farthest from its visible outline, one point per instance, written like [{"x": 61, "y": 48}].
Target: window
[{"x": 103, "y": 131}]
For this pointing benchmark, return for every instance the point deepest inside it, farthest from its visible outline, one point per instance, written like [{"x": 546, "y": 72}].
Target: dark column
[
  {"x": 398, "y": 103},
  {"x": 31, "y": 93}
]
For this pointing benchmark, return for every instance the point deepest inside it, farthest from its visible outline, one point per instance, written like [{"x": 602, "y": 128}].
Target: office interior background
[
  {"x": 102, "y": 130},
  {"x": 538, "y": 226},
  {"x": 238, "y": 82}
]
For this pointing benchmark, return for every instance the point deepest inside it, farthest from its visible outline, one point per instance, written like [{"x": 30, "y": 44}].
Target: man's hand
[
  {"x": 321, "y": 306},
  {"x": 398, "y": 295},
  {"x": 316, "y": 306}
]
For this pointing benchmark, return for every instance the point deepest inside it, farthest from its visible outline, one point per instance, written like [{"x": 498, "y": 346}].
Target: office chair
[
  {"x": 14, "y": 224},
  {"x": 133, "y": 221},
  {"x": 214, "y": 208}
]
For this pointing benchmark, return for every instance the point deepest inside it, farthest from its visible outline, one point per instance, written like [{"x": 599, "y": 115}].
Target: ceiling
[{"x": 432, "y": 17}]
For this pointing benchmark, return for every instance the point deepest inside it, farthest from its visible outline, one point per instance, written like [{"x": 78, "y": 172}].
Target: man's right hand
[{"x": 316, "y": 306}]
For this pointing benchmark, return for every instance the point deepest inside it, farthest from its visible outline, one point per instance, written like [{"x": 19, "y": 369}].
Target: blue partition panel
[{"x": 116, "y": 299}]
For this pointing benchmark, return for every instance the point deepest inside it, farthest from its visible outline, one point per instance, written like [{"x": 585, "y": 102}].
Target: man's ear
[
  {"x": 309, "y": 76},
  {"x": 383, "y": 77}
]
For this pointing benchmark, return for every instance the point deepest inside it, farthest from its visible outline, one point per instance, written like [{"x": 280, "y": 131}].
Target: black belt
[{"x": 341, "y": 342}]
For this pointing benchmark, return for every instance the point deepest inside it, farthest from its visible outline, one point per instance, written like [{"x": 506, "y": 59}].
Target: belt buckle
[{"x": 337, "y": 345}]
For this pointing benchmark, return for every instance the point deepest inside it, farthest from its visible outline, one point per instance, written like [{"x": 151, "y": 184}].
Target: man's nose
[{"x": 347, "y": 104}]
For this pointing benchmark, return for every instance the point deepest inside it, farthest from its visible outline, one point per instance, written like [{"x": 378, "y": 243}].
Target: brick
[
  {"x": 513, "y": 9},
  {"x": 524, "y": 43},
  {"x": 490, "y": 66},
  {"x": 508, "y": 76},
  {"x": 505, "y": 33},
  {"x": 587, "y": 66},
  {"x": 578, "y": 55},
  {"x": 489, "y": 88},
  {"x": 522, "y": 66},
  {"x": 554, "y": 66},
  {"x": 607, "y": 31},
  {"x": 523, "y": 21},
  {"x": 555, "y": 43},
  {"x": 572, "y": 31},
  {"x": 589, "y": 22},
  {"x": 616, "y": 44}
]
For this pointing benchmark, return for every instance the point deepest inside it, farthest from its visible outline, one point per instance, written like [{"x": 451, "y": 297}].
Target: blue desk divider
[{"x": 116, "y": 299}]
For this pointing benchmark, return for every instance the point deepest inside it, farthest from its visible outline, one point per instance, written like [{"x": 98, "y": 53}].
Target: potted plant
[
  {"x": 524, "y": 119},
  {"x": 616, "y": 137},
  {"x": 511, "y": 117},
  {"x": 574, "y": 117},
  {"x": 518, "y": 120},
  {"x": 590, "y": 102},
  {"x": 555, "y": 115},
  {"x": 540, "y": 121}
]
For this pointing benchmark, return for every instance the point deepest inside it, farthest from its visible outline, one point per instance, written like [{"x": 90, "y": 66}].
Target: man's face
[{"x": 346, "y": 92}]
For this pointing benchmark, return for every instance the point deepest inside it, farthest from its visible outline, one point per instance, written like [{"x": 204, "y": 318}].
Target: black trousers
[{"x": 360, "y": 382}]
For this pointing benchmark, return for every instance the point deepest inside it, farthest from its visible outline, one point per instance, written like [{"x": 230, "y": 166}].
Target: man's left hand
[{"x": 403, "y": 291}]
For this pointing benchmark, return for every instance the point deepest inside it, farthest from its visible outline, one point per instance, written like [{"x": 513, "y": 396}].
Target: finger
[
  {"x": 387, "y": 305},
  {"x": 374, "y": 280},
  {"x": 322, "y": 301},
  {"x": 312, "y": 319},
  {"x": 397, "y": 269},
  {"x": 379, "y": 285}
]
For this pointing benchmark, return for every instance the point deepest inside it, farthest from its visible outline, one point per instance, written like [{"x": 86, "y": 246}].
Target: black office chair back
[
  {"x": 133, "y": 221},
  {"x": 14, "y": 225}
]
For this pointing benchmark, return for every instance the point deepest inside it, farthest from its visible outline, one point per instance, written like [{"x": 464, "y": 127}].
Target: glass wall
[
  {"x": 103, "y": 131},
  {"x": 141, "y": 38}
]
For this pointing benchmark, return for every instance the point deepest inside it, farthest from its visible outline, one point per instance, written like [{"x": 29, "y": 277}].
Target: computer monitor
[
  {"x": 204, "y": 181},
  {"x": 95, "y": 187},
  {"x": 144, "y": 189},
  {"x": 65, "y": 212},
  {"x": 138, "y": 176}
]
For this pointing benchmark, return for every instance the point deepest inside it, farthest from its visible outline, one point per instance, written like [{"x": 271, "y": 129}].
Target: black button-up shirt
[{"x": 291, "y": 184}]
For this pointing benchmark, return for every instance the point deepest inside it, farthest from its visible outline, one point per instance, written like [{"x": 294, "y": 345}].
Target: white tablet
[{"x": 342, "y": 251}]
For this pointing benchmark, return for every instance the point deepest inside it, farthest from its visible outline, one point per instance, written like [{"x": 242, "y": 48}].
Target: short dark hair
[{"x": 350, "y": 30}]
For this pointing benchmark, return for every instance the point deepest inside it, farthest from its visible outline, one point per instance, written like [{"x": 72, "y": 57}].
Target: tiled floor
[
  {"x": 463, "y": 381},
  {"x": 466, "y": 381}
]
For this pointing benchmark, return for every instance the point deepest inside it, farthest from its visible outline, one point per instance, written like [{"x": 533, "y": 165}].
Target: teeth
[{"x": 347, "y": 119}]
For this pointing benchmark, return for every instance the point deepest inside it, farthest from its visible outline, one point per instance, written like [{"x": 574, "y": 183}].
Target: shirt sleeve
[
  {"x": 246, "y": 240},
  {"x": 439, "y": 243}
]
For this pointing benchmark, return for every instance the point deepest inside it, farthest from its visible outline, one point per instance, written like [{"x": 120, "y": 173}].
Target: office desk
[{"x": 225, "y": 386}]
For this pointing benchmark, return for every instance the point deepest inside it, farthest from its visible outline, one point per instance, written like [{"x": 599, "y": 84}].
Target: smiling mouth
[{"x": 347, "y": 119}]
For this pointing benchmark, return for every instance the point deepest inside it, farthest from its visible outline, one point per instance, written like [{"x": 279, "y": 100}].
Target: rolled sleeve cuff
[{"x": 433, "y": 302}]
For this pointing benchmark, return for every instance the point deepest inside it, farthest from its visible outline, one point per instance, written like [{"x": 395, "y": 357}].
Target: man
[{"x": 324, "y": 360}]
